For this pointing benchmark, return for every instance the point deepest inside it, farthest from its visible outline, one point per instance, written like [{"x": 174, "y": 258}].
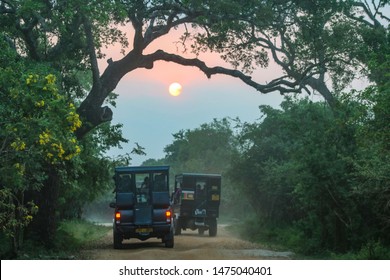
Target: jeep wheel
[
  {"x": 177, "y": 225},
  {"x": 169, "y": 240},
  {"x": 213, "y": 227},
  {"x": 117, "y": 240}
]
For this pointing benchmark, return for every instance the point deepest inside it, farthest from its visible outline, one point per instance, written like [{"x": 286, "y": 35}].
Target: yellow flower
[
  {"x": 60, "y": 150},
  {"x": 50, "y": 79},
  {"x": 28, "y": 218},
  {"x": 29, "y": 79},
  {"x": 32, "y": 79},
  {"x": 40, "y": 103},
  {"x": 44, "y": 137},
  {"x": 69, "y": 157},
  {"x": 74, "y": 121},
  {"x": 18, "y": 145},
  {"x": 76, "y": 152},
  {"x": 20, "y": 168}
]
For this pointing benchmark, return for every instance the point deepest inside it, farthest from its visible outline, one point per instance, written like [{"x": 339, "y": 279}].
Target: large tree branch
[
  {"x": 369, "y": 14},
  {"x": 91, "y": 111},
  {"x": 91, "y": 52},
  {"x": 282, "y": 86},
  {"x": 29, "y": 38}
]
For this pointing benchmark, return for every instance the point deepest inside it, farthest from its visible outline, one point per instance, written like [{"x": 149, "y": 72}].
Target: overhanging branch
[{"x": 280, "y": 85}]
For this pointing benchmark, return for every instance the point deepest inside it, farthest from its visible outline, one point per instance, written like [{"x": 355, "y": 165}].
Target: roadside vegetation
[
  {"x": 302, "y": 178},
  {"x": 73, "y": 237}
]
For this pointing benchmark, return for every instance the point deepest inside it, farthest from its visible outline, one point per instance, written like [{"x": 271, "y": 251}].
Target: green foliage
[
  {"x": 37, "y": 130},
  {"x": 301, "y": 168},
  {"x": 206, "y": 149},
  {"x": 40, "y": 157},
  {"x": 273, "y": 235},
  {"x": 373, "y": 251}
]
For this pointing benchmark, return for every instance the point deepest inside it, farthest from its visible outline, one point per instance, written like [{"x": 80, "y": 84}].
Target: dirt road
[{"x": 188, "y": 246}]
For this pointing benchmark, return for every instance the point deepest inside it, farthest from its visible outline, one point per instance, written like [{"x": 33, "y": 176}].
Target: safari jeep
[
  {"x": 196, "y": 200},
  {"x": 142, "y": 205}
]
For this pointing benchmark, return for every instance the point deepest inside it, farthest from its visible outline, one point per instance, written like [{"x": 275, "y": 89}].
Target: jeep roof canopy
[
  {"x": 140, "y": 169},
  {"x": 199, "y": 174}
]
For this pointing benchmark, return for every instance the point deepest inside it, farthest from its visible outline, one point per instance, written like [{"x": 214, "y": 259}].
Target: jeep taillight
[
  {"x": 168, "y": 215},
  {"x": 117, "y": 217}
]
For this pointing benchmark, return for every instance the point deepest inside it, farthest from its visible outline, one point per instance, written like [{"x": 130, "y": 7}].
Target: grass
[
  {"x": 72, "y": 236},
  {"x": 83, "y": 231},
  {"x": 289, "y": 238}
]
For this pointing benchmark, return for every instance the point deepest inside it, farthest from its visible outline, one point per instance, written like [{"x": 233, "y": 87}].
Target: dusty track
[{"x": 188, "y": 246}]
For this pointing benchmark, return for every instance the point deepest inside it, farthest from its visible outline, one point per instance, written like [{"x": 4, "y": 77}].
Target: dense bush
[{"x": 300, "y": 169}]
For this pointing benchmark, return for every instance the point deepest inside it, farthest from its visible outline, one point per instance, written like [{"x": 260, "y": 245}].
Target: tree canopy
[{"x": 305, "y": 38}]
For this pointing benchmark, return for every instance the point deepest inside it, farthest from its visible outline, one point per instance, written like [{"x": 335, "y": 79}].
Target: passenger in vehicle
[
  {"x": 145, "y": 184},
  {"x": 145, "y": 190},
  {"x": 125, "y": 184}
]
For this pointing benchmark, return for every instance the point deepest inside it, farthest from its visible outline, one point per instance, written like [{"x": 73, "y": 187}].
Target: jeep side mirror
[{"x": 112, "y": 205}]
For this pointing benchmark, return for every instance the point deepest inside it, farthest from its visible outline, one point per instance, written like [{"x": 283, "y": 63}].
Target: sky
[{"x": 150, "y": 115}]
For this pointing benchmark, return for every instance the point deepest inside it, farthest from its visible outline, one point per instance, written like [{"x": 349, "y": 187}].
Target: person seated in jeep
[{"x": 144, "y": 190}]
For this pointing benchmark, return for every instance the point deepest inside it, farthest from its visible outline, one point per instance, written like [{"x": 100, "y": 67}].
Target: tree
[
  {"x": 320, "y": 177},
  {"x": 37, "y": 134},
  {"x": 296, "y": 170},
  {"x": 40, "y": 158},
  {"x": 372, "y": 180},
  {"x": 205, "y": 149},
  {"x": 303, "y": 37}
]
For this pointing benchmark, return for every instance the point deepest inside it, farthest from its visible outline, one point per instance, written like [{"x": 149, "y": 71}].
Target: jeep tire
[
  {"x": 212, "y": 227},
  {"x": 169, "y": 240},
  {"x": 177, "y": 225},
  {"x": 117, "y": 240}
]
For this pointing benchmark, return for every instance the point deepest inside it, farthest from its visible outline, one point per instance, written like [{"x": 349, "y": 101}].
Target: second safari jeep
[{"x": 196, "y": 200}]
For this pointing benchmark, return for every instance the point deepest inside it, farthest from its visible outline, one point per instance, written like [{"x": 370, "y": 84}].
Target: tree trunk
[
  {"x": 91, "y": 111},
  {"x": 44, "y": 224}
]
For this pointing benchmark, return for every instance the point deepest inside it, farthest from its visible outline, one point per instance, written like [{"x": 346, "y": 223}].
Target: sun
[{"x": 175, "y": 89}]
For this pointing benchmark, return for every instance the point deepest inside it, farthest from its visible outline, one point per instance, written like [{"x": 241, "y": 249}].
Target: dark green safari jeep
[
  {"x": 196, "y": 201},
  {"x": 142, "y": 204}
]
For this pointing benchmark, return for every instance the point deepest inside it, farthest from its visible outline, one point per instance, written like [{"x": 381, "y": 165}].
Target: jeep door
[{"x": 143, "y": 207}]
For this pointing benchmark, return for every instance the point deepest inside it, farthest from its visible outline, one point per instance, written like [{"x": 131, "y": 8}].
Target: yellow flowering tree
[{"x": 36, "y": 135}]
